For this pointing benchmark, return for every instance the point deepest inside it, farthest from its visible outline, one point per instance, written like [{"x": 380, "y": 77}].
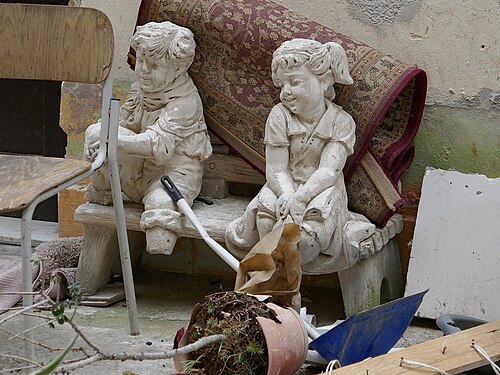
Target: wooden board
[
  {"x": 105, "y": 297},
  {"x": 55, "y": 43},
  {"x": 457, "y": 358},
  {"x": 69, "y": 200}
]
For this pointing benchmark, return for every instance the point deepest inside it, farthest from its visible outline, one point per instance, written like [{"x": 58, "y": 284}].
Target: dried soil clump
[{"x": 244, "y": 351}]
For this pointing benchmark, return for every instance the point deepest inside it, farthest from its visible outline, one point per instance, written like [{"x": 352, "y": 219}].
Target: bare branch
[
  {"x": 84, "y": 338},
  {"x": 209, "y": 340},
  {"x": 23, "y": 310},
  {"x": 30, "y": 329},
  {"x": 19, "y": 358},
  {"x": 16, "y": 369},
  {"x": 19, "y": 293}
]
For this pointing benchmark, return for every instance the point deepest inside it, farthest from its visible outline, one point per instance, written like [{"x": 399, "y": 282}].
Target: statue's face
[
  {"x": 154, "y": 74},
  {"x": 302, "y": 92}
]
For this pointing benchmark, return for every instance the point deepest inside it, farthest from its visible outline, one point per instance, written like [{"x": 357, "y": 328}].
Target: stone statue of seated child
[
  {"x": 162, "y": 131},
  {"x": 308, "y": 139}
]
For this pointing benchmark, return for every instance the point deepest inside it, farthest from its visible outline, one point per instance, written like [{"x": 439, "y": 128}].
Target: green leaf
[{"x": 50, "y": 367}]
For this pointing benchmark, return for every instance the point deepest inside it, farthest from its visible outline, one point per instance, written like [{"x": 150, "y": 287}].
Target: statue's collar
[
  {"x": 151, "y": 101},
  {"x": 323, "y": 128}
]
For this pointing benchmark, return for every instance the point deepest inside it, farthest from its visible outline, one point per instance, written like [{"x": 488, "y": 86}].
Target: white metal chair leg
[
  {"x": 27, "y": 282},
  {"x": 121, "y": 227}
]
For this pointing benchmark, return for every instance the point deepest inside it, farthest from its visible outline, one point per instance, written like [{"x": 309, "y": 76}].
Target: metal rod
[
  {"x": 223, "y": 253},
  {"x": 27, "y": 270},
  {"x": 121, "y": 228}
]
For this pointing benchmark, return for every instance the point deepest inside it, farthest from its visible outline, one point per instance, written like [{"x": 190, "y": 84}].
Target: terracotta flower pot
[{"x": 286, "y": 339}]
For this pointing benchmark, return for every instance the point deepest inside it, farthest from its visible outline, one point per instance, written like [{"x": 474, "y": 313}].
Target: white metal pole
[
  {"x": 27, "y": 270},
  {"x": 121, "y": 228},
  {"x": 223, "y": 253}
]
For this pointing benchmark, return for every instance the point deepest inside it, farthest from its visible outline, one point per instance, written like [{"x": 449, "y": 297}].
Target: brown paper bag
[{"x": 273, "y": 267}]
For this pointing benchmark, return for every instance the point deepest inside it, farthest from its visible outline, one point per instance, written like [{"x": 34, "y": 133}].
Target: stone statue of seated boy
[
  {"x": 162, "y": 131},
  {"x": 308, "y": 139}
]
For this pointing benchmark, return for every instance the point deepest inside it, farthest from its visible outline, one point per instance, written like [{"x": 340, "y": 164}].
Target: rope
[
  {"x": 420, "y": 364},
  {"x": 332, "y": 365},
  {"x": 485, "y": 355}
]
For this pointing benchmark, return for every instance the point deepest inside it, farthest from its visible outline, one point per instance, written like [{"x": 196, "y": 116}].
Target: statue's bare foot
[{"x": 160, "y": 241}]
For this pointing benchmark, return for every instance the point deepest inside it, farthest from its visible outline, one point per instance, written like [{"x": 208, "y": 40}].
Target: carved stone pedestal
[
  {"x": 100, "y": 255},
  {"x": 372, "y": 281}
]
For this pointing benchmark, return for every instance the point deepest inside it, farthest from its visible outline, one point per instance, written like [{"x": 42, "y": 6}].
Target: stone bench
[{"x": 375, "y": 278}]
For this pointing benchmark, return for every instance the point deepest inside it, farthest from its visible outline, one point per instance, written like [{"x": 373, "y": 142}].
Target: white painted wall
[
  {"x": 456, "y": 42},
  {"x": 123, "y": 14}
]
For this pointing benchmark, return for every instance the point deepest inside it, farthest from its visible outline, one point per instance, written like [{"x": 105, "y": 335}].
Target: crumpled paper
[{"x": 272, "y": 267}]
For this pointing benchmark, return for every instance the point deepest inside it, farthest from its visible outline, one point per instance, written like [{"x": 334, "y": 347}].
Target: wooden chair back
[{"x": 55, "y": 43}]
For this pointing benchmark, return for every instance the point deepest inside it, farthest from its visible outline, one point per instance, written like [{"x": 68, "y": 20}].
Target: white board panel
[{"x": 456, "y": 246}]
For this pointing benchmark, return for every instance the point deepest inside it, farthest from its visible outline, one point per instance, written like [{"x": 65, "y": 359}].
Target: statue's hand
[
  {"x": 90, "y": 151},
  {"x": 281, "y": 207},
  {"x": 91, "y": 144},
  {"x": 295, "y": 207}
]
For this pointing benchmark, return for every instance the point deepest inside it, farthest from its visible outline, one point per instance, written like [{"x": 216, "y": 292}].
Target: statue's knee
[
  {"x": 158, "y": 200},
  {"x": 308, "y": 247},
  {"x": 265, "y": 223}
]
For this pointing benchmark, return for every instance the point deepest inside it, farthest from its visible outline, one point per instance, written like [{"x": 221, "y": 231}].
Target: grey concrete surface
[{"x": 164, "y": 302}]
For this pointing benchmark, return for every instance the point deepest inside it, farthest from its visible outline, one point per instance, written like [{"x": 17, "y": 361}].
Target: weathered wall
[{"x": 456, "y": 43}]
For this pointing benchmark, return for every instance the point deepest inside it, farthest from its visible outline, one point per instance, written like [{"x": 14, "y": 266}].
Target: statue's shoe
[{"x": 160, "y": 241}]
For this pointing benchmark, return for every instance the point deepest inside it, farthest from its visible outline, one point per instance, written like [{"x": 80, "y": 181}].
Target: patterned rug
[{"x": 235, "y": 41}]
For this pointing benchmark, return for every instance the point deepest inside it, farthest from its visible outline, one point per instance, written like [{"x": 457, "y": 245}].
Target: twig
[
  {"x": 19, "y": 293},
  {"x": 209, "y": 340},
  {"x": 84, "y": 338},
  {"x": 15, "y": 369},
  {"x": 30, "y": 329},
  {"x": 27, "y": 308},
  {"x": 40, "y": 316},
  {"x": 19, "y": 358},
  {"x": 32, "y": 342}
]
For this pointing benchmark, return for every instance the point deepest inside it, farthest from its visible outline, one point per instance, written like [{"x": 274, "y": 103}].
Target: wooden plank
[
  {"x": 105, "y": 297},
  {"x": 55, "y": 43},
  {"x": 232, "y": 169},
  {"x": 459, "y": 356},
  {"x": 69, "y": 200}
]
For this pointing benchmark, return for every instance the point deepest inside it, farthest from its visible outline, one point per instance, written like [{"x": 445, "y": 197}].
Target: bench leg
[
  {"x": 372, "y": 281},
  {"x": 100, "y": 255}
]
